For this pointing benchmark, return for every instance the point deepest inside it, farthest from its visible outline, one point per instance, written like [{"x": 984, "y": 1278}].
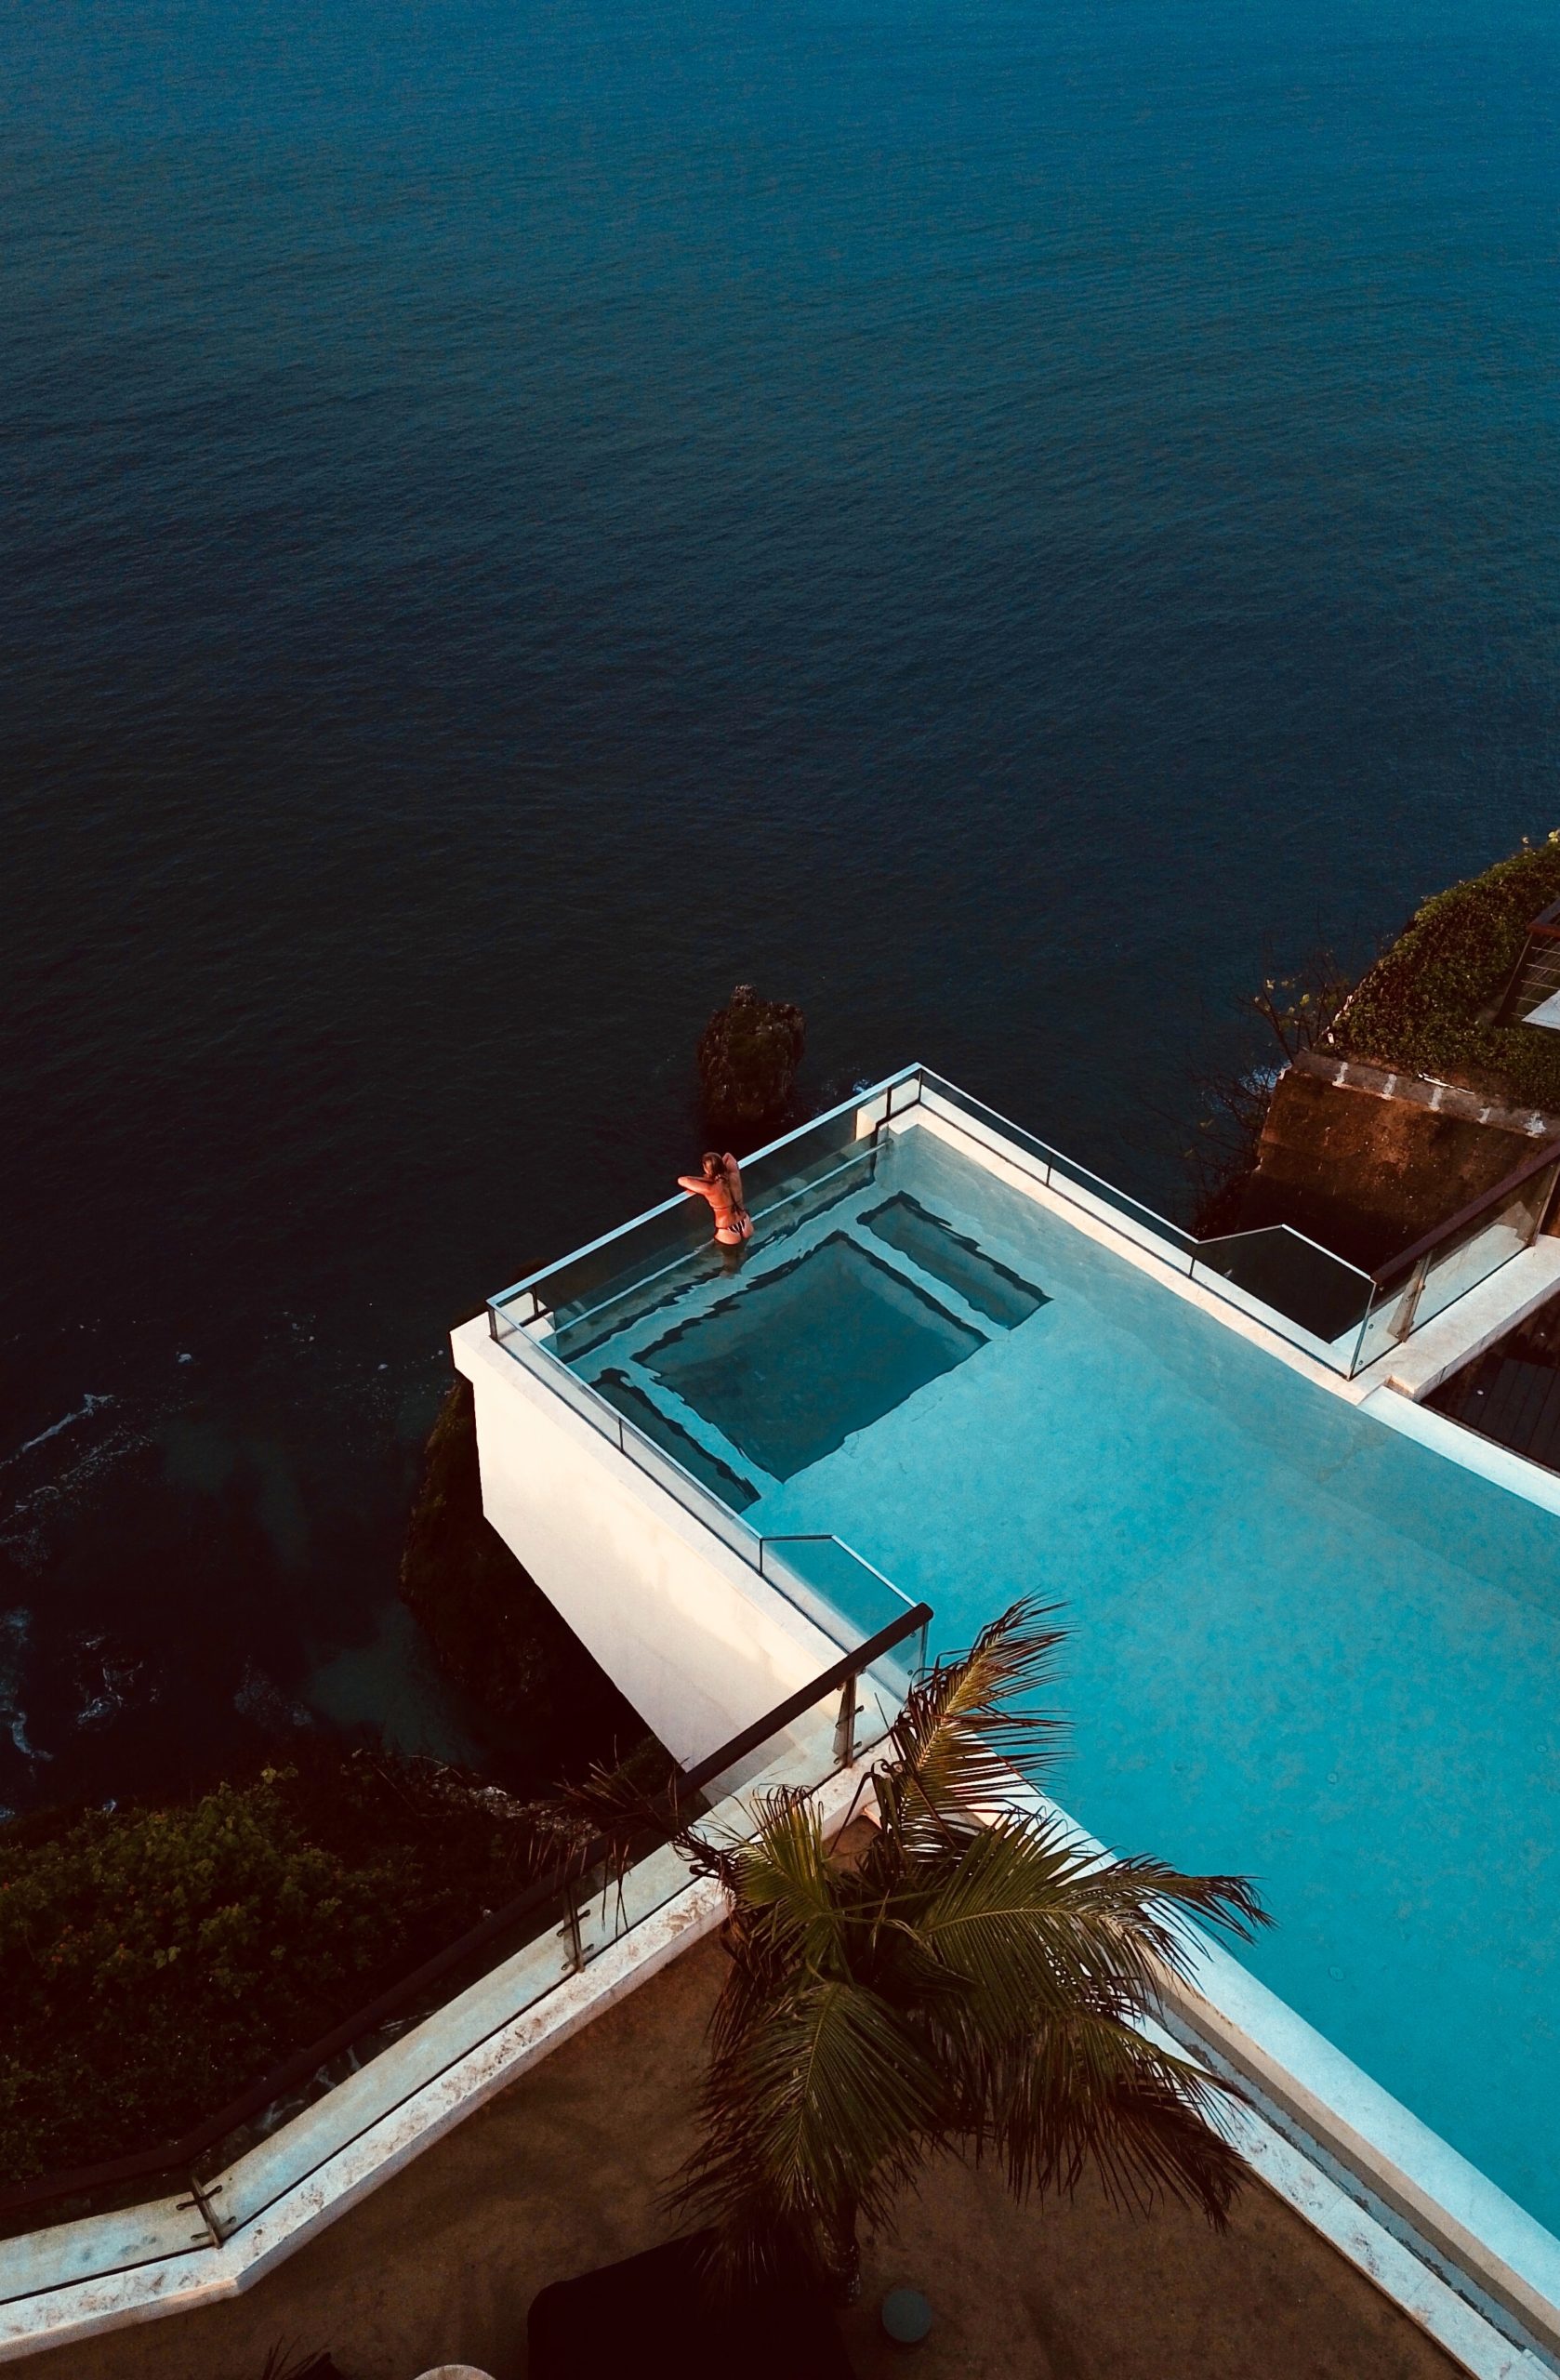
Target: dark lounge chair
[{"x": 651, "y": 2315}]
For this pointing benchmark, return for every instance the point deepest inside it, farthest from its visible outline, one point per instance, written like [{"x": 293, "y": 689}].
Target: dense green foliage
[
  {"x": 154, "y": 1962},
  {"x": 1421, "y": 1005}
]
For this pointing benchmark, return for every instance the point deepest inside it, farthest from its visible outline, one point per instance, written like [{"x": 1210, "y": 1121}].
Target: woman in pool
[{"x": 721, "y": 1182}]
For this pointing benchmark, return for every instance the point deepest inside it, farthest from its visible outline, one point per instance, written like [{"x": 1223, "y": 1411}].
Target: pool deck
[{"x": 561, "y": 2173}]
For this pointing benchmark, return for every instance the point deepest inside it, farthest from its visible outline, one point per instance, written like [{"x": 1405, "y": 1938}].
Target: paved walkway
[{"x": 561, "y": 2173}]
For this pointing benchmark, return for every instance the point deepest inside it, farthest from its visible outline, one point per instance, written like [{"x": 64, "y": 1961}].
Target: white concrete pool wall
[
  {"x": 670, "y": 1618},
  {"x": 700, "y": 1644}
]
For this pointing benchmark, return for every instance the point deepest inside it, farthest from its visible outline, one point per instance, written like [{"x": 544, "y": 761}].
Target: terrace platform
[{"x": 563, "y": 2171}]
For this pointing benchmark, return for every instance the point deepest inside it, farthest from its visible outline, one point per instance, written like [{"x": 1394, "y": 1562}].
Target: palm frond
[
  {"x": 786, "y": 1913},
  {"x": 818, "y": 2111},
  {"x": 978, "y": 1977},
  {"x": 969, "y": 1725},
  {"x": 1092, "y": 2094}
]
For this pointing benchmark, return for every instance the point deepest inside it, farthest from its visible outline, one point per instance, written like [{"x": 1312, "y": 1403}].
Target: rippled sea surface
[{"x": 997, "y": 522}]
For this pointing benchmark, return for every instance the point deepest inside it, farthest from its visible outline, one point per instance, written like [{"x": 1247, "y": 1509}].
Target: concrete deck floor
[{"x": 561, "y": 2173}]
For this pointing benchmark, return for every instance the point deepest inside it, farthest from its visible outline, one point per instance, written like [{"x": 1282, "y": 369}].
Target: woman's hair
[{"x": 714, "y": 1164}]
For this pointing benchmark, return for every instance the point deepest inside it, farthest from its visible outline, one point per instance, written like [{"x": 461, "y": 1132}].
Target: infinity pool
[{"x": 1301, "y": 1645}]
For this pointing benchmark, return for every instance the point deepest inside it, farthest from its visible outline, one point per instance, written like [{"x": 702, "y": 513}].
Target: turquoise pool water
[{"x": 1301, "y": 1645}]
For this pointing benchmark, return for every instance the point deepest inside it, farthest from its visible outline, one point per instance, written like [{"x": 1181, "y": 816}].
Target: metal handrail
[{"x": 179, "y": 2157}]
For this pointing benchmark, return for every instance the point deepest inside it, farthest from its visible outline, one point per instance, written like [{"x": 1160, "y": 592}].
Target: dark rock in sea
[
  {"x": 494, "y": 1631},
  {"x": 749, "y": 1055}
]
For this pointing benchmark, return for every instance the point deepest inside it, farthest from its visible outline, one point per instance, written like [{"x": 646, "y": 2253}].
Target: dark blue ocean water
[{"x": 993, "y": 521}]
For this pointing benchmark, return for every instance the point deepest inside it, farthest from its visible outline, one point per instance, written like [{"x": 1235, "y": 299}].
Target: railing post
[
  {"x": 200, "y": 2200},
  {"x": 572, "y": 1929},
  {"x": 1546, "y": 1199},
  {"x": 1403, "y": 1321},
  {"x": 845, "y": 1725}
]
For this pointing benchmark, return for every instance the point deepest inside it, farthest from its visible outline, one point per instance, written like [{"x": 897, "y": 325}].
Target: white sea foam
[
  {"x": 15, "y": 1626},
  {"x": 21, "y": 1522},
  {"x": 84, "y": 1412}
]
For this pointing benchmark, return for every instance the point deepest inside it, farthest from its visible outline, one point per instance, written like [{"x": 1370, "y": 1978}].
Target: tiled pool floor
[{"x": 1301, "y": 1645}]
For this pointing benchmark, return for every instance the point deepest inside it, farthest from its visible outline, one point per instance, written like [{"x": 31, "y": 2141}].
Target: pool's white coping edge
[{"x": 1497, "y": 2257}]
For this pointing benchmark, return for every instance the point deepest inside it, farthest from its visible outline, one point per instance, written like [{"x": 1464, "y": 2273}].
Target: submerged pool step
[
  {"x": 645, "y": 1410},
  {"x": 960, "y": 1264}
]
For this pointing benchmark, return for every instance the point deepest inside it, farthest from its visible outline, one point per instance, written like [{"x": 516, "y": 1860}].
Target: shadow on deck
[{"x": 1511, "y": 1392}]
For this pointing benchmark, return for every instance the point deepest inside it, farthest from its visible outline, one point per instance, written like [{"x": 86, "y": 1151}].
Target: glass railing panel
[
  {"x": 1314, "y": 1299},
  {"x": 842, "y": 1593},
  {"x": 705, "y": 1497},
  {"x": 1151, "y": 1230},
  {"x": 381, "y": 2071},
  {"x": 389, "y": 2071},
  {"x": 535, "y": 1354},
  {"x": 668, "y": 1236},
  {"x": 1383, "y": 1327},
  {"x": 696, "y": 1495},
  {"x": 654, "y": 1259},
  {"x": 112, "y": 2228},
  {"x": 805, "y": 1753},
  {"x": 1448, "y": 1272},
  {"x": 703, "y": 1503},
  {"x": 551, "y": 1934},
  {"x": 1062, "y": 1174},
  {"x": 1512, "y": 1226},
  {"x": 1291, "y": 1276},
  {"x": 666, "y": 1433}
]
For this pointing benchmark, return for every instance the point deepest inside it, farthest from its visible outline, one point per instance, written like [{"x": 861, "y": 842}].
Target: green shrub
[
  {"x": 1421, "y": 1005},
  {"x": 155, "y": 1963}
]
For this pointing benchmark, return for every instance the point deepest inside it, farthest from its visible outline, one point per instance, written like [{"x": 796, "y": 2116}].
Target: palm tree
[{"x": 972, "y": 1979}]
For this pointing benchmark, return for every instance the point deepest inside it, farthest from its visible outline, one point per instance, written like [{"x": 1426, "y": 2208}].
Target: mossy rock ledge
[
  {"x": 748, "y": 1056},
  {"x": 493, "y": 1630},
  {"x": 1430, "y": 1003}
]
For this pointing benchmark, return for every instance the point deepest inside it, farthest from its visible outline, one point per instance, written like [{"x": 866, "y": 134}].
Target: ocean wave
[
  {"x": 83, "y": 1412},
  {"x": 23, "y": 1521},
  {"x": 15, "y": 1628}
]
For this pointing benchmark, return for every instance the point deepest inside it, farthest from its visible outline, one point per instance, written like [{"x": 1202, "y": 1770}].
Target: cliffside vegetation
[
  {"x": 1424, "y": 1003},
  {"x": 1426, "y": 1007},
  {"x": 155, "y": 1963}
]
